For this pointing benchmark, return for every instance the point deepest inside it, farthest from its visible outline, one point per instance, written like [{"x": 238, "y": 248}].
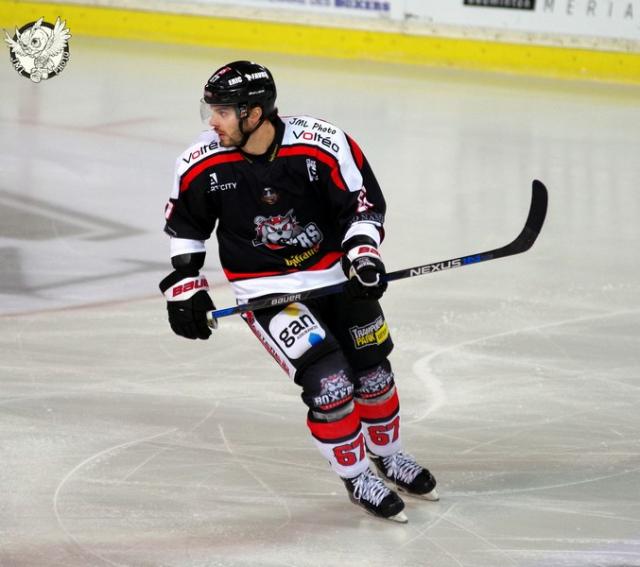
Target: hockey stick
[{"x": 522, "y": 243}]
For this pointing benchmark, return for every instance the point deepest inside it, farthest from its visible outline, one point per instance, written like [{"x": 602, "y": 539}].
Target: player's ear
[{"x": 255, "y": 114}]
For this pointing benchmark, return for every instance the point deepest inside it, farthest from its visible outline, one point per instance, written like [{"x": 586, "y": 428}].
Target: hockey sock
[
  {"x": 380, "y": 418},
  {"x": 341, "y": 442}
]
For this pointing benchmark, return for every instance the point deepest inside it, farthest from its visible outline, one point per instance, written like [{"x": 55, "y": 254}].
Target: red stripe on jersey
[
  {"x": 325, "y": 262},
  {"x": 232, "y": 276},
  {"x": 337, "y": 179},
  {"x": 329, "y": 431},
  {"x": 204, "y": 164},
  {"x": 358, "y": 156},
  {"x": 312, "y": 151},
  {"x": 384, "y": 410}
]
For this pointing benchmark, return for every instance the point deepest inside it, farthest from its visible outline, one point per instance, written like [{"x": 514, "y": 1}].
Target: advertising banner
[
  {"x": 605, "y": 19},
  {"x": 352, "y": 8},
  {"x": 614, "y": 19}
]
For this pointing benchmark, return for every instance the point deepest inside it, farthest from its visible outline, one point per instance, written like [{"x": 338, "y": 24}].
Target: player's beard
[{"x": 230, "y": 139}]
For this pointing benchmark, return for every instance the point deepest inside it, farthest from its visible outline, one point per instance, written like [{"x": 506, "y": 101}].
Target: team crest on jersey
[
  {"x": 280, "y": 231},
  {"x": 39, "y": 50}
]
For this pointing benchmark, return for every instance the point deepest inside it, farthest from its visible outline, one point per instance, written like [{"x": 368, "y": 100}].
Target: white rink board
[{"x": 604, "y": 19}]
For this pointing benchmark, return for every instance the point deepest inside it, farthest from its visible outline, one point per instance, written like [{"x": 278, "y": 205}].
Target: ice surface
[{"x": 123, "y": 445}]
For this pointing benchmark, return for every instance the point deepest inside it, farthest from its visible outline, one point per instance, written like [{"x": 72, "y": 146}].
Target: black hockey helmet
[{"x": 243, "y": 84}]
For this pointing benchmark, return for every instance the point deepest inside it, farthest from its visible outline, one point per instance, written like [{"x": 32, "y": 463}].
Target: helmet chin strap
[{"x": 247, "y": 135}]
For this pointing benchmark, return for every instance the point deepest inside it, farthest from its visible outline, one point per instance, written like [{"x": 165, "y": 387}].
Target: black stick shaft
[{"x": 522, "y": 243}]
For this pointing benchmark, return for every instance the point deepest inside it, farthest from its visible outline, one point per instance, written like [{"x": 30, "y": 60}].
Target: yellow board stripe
[{"x": 329, "y": 42}]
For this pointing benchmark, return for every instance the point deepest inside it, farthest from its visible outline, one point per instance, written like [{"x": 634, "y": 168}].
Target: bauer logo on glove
[
  {"x": 188, "y": 304},
  {"x": 186, "y": 288}
]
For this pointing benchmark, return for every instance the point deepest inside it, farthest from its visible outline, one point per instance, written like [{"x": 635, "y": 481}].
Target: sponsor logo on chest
[
  {"x": 215, "y": 185},
  {"x": 298, "y": 259}
]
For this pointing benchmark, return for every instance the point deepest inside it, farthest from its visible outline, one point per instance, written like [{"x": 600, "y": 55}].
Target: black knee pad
[
  {"x": 374, "y": 382},
  {"x": 327, "y": 387}
]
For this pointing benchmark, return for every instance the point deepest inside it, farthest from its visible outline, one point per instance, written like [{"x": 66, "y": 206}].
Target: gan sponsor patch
[
  {"x": 371, "y": 334},
  {"x": 296, "y": 330}
]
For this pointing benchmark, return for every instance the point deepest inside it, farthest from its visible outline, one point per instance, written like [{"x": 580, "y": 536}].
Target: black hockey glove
[
  {"x": 187, "y": 304},
  {"x": 364, "y": 268}
]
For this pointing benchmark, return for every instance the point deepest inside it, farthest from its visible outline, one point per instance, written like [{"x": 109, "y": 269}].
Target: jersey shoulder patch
[
  {"x": 200, "y": 159},
  {"x": 206, "y": 145},
  {"x": 314, "y": 132}
]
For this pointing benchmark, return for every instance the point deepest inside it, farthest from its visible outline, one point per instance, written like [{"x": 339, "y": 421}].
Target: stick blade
[
  {"x": 538, "y": 210},
  {"x": 535, "y": 220}
]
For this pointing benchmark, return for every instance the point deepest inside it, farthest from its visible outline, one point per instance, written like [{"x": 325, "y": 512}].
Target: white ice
[{"x": 124, "y": 445}]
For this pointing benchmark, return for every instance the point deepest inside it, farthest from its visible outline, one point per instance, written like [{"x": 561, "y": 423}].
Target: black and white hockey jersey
[{"x": 280, "y": 219}]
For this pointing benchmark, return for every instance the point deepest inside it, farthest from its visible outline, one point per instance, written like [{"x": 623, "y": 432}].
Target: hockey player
[{"x": 296, "y": 206}]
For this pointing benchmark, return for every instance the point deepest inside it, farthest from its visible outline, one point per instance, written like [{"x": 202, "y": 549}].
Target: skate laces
[
  {"x": 370, "y": 488},
  {"x": 401, "y": 466}
]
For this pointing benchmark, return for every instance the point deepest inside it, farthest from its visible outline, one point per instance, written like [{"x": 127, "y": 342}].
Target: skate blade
[
  {"x": 432, "y": 496},
  {"x": 400, "y": 518}
]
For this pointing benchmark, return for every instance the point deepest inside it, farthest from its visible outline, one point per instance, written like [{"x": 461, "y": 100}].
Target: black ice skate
[
  {"x": 368, "y": 490},
  {"x": 408, "y": 476}
]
